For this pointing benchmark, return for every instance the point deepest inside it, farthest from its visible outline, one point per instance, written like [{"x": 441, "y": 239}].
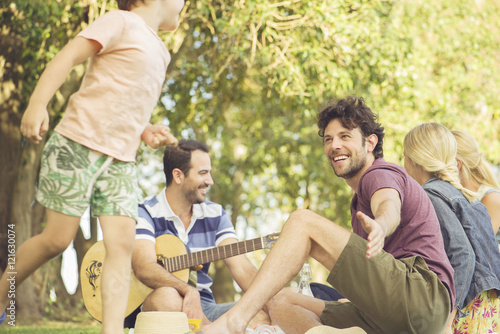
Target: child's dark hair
[
  {"x": 352, "y": 112},
  {"x": 180, "y": 157},
  {"x": 127, "y": 4}
]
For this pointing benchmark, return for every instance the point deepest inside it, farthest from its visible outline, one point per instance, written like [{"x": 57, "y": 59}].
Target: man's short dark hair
[
  {"x": 180, "y": 157},
  {"x": 352, "y": 112}
]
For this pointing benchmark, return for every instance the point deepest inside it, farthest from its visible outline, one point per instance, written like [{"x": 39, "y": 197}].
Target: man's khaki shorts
[{"x": 386, "y": 295}]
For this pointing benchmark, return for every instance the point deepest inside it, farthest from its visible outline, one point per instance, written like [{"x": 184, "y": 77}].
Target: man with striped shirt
[{"x": 181, "y": 210}]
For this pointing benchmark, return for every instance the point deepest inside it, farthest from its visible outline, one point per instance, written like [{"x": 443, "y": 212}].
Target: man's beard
[
  {"x": 193, "y": 195},
  {"x": 353, "y": 168}
]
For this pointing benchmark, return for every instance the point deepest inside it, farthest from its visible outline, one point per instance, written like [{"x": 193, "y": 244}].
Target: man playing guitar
[{"x": 182, "y": 211}]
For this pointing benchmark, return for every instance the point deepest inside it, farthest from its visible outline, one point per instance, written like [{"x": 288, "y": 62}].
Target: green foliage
[
  {"x": 449, "y": 74},
  {"x": 250, "y": 77},
  {"x": 38, "y": 30}
]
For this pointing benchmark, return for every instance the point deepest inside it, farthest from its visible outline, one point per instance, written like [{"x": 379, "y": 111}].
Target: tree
[
  {"x": 248, "y": 78},
  {"x": 256, "y": 73},
  {"x": 32, "y": 33}
]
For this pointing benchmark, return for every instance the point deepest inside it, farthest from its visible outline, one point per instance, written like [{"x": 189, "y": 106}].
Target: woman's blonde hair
[
  {"x": 474, "y": 166},
  {"x": 433, "y": 148}
]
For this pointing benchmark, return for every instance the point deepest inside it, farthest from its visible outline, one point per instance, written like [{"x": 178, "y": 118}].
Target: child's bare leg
[
  {"x": 34, "y": 252},
  {"x": 118, "y": 237}
]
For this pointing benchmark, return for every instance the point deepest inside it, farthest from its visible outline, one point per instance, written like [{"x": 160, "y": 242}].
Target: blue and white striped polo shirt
[{"x": 209, "y": 226}]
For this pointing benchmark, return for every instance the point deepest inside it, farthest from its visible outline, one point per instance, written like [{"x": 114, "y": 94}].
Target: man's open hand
[{"x": 376, "y": 234}]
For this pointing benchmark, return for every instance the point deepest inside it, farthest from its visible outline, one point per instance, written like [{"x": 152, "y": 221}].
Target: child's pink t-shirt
[{"x": 121, "y": 87}]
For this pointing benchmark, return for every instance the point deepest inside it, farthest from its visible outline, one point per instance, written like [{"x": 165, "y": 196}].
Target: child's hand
[
  {"x": 158, "y": 135},
  {"x": 35, "y": 123}
]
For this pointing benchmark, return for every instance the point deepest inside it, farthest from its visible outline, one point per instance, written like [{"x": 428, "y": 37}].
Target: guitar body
[{"x": 91, "y": 273}]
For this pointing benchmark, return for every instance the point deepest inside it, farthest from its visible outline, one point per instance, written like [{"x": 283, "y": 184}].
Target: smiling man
[
  {"x": 393, "y": 269},
  {"x": 181, "y": 210}
]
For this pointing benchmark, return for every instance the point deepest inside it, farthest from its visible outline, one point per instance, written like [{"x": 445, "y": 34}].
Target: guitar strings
[{"x": 176, "y": 263}]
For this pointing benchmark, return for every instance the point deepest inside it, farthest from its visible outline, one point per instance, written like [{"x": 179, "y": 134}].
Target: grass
[{"x": 52, "y": 327}]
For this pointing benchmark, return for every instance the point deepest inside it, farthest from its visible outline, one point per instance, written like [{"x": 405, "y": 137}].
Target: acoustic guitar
[{"x": 171, "y": 254}]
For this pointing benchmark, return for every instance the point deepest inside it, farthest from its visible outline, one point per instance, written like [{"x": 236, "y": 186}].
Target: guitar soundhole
[{"x": 93, "y": 273}]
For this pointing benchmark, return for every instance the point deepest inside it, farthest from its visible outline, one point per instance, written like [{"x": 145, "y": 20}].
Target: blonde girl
[
  {"x": 430, "y": 158},
  {"x": 476, "y": 174}
]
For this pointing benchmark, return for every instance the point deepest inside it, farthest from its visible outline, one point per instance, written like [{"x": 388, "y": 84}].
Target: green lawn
[
  {"x": 53, "y": 328},
  {"x": 49, "y": 330}
]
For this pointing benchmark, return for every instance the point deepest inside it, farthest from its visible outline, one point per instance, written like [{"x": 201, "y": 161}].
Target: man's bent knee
[
  {"x": 283, "y": 298},
  {"x": 300, "y": 219},
  {"x": 300, "y": 214},
  {"x": 164, "y": 299},
  {"x": 280, "y": 303}
]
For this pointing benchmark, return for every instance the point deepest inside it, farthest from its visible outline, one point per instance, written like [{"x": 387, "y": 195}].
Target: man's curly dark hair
[{"x": 352, "y": 112}]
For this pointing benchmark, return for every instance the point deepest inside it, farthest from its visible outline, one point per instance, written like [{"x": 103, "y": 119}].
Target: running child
[{"x": 90, "y": 157}]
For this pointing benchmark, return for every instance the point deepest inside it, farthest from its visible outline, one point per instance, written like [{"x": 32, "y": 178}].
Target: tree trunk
[
  {"x": 10, "y": 137},
  {"x": 223, "y": 288},
  {"x": 19, "y": 170},
  {"x": 27, "y": 219}
]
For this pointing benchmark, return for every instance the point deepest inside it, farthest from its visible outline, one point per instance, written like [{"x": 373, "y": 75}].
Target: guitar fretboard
[{"x": 189, "y": 260}]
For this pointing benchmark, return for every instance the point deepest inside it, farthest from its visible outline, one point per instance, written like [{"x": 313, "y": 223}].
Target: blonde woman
[
  {"x": 476, "y": 175},
  {"x": 430, "y": 158}
]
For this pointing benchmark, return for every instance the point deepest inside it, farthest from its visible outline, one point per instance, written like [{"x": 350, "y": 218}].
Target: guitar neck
[{"x": 189, "y": 260}]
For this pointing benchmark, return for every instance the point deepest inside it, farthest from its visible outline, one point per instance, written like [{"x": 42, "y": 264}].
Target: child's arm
[
  {"x": 158, "y": 135},
  {"x": 35, "y": 121}
]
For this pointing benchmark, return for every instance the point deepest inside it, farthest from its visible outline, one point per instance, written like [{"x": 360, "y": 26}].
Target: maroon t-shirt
[{"x": 418, "y": 232}]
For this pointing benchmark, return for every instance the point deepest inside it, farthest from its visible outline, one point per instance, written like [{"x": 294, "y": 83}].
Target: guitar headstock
[{"x": 269, "y": 240}]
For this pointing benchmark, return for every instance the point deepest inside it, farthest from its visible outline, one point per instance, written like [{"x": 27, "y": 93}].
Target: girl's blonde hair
[
  {"x": 433, "y": 148},
  {"x": 474, "y": 166}
]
